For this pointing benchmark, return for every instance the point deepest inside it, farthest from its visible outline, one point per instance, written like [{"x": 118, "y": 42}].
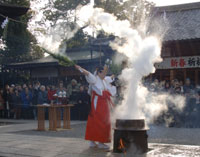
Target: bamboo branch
[{"x": 63, "y": 60}]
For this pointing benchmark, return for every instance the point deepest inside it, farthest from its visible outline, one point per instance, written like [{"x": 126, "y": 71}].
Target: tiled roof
[
  {"x": 102, "y": 41},
  {"x": 12, "y": 10},
  {"x": 76, "y": 56},
  {"x": 182, "y": 21}
]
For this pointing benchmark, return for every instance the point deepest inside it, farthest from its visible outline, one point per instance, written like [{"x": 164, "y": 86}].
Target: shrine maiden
[{"x": 98, "y": 125}]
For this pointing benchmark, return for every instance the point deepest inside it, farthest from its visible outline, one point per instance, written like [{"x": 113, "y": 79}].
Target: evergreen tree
[
  {"x": 21, "y": 44},
  {"x": 133, "y": 10}
]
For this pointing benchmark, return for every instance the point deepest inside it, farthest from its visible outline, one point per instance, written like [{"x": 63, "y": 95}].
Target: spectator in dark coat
[
  {"x": 11, "y": 102},
  {"x": 1, "y": 103},
  {"x": 16, "y": 104},
  {"x": 187, "y": 88},
  {"x": 26, "y": 97},
  {"x": 6, "y": 104},
  {"x": 83, "y": 105},
  {"x": 43, "y": 99},
  {"x": 42, "y": 96},
  {"x": 36, "y": 90}
]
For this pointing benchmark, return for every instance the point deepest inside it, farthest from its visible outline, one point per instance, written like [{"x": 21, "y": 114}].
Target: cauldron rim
[
  {"x": 131, "y": 128},
  {"x": 145, "y": 128},
  {"x": 129, "y": 119}
]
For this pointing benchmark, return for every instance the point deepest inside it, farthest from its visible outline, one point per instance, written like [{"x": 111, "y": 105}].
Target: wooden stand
[
  {"x": 66, "y": 118},
  {"x": 41, "y": 118},
  {"x": 51, "y": 113},
  {"x": 58, "y": 112},
  {"x": 54, "y": 116}
]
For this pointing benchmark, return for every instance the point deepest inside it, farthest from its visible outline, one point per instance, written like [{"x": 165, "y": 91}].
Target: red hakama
[{"x": 98, "y": 124}]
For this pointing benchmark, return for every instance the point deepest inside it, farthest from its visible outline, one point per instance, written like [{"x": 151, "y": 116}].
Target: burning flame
[{"x": 121, "y": 146}]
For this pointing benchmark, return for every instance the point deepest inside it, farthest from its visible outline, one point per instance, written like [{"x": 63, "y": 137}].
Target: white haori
[{"x": 99, "y": 85}]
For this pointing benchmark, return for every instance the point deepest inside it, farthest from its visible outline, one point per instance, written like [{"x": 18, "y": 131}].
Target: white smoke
[
  {"x": 2, "y": 44},
  {"x": 142, "y": 52},
  {"x": 49, "y": 35}
]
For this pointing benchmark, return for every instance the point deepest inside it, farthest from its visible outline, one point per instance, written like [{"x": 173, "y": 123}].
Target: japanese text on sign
[{"x": 179, "y": 62}]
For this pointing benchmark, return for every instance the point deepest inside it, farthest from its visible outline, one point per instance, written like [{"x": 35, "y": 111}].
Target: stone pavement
[{"x": 22, "y": 140}]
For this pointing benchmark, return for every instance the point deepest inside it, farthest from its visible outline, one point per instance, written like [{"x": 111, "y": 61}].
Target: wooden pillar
[
  {"x": 54, "y": 119},
  {"x": 68, "y": 117},
  {"x": 171, "y": 75},
  {"x": 59, "y": 110},
  {"x": 160, "y": 76},
  {"x": 41, "y": 118},
  {"x": 196, "y": 77},
  {"x": 178, "y": 49},
  {"x": 51, "y": 118},
  {"x": 65, "y": 118},
  {"x": 185, "y": 75}
]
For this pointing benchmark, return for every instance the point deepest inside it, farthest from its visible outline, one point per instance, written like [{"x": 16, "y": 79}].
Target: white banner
[{"x": 179, "y": 62}]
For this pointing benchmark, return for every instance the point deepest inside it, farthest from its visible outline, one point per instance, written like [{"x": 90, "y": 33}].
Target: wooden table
[{"x": 54, "y": 116}]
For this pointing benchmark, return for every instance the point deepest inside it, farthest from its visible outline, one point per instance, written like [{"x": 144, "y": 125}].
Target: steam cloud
[
  {"x": 48, "y": 35},
  {"x": 142, "y": 52}
]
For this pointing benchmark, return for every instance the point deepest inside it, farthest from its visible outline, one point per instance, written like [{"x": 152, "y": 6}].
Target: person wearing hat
[
  {"x": 72, "y": 94},
  {"x": 72, "y": 90},
  {"x": 98, "y": 125}
]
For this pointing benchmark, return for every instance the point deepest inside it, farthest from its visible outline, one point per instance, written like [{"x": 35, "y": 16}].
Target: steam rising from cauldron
[{"x": 141, "y": 50}]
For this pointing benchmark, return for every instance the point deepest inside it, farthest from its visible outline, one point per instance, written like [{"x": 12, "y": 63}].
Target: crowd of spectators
[
  {"x": 190, "y": 116},
  {"x": 174, "y": 87},
  {"x": 187, "y": 89},
  {"x": 19, "y": 101}
]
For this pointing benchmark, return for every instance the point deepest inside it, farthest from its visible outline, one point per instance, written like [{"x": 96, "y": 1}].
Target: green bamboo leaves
[{"x": 63, "y": 60}]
